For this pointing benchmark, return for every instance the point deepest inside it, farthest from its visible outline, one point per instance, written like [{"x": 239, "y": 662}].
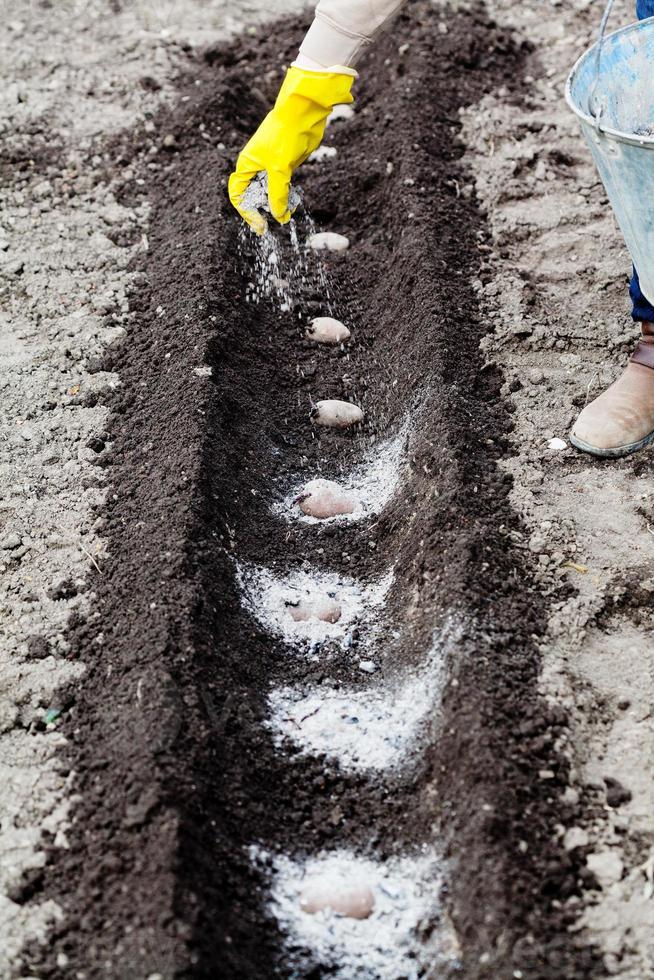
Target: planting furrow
[{"x": 312, "y": 741}]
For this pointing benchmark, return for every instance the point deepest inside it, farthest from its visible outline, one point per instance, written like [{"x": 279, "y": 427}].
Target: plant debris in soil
[{"x": 178, "y": 775}]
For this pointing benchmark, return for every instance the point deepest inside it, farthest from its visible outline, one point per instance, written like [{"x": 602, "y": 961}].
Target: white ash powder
[
  {"x": 266, "y": 595},
  {"x": 340, "y": 112},
  {"x": 322, "y": 153},
  {"x": 255, "y": 197},
  {"x": 363, "y": 729},
  {"x": 387, "y": 945}
]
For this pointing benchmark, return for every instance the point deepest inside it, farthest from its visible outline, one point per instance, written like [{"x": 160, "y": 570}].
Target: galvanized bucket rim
[{"x": 647, "y": 142}]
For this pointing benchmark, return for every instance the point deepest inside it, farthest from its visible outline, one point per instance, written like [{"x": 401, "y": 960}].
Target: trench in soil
[{"x": 189, "y": 799}]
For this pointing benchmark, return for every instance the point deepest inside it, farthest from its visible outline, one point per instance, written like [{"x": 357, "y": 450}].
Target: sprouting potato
[
  {"x": 325, "y": 498},
  {"x": 324, "y": 608},
  {"x": 351, "y": 898},
  {"x": 329, "y": 240},
  {"x": 327, "y": 330},
  {"x": 336, "y": 414}
]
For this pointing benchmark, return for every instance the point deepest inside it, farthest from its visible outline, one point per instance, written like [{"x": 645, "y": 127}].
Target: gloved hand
[{"x": 291, "y": 131}]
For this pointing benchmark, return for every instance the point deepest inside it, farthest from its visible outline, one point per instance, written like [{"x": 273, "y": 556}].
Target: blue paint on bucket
[{"x": 613, "y": 98}]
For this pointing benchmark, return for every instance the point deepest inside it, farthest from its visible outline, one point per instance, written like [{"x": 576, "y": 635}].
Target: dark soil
[{"x": 176, "y": 773}]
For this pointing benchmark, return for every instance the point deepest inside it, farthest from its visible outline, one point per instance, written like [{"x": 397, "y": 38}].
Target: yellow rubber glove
[{"x": 291, "y": 131}]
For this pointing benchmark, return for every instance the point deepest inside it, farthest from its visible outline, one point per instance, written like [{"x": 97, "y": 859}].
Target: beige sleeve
[{"x": 342, "y": 29}]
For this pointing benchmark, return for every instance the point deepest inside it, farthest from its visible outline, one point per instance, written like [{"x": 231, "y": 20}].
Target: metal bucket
[{"x": 611, "y": 90}]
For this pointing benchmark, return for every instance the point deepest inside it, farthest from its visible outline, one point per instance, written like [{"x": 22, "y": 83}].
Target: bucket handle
[{"x": 593, "y": 109}]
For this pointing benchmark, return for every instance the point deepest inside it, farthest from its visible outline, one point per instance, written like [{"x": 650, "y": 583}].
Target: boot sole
[{"x": 614, "y": 453}]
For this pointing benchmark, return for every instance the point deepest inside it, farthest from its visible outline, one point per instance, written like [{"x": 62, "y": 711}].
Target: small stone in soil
[
  {"x": 336, "y": 414},
  {"x": 10, "y": 541},
  {"x": 352, "y": 899},
  {"x": 616, "y": 793},
  {"x": 575, "y": 837},
  {"x": 325, "y": 609},
  {"x": 607, "y": 866},
  {"x": 327, "y": 330},
  {"x": 325, "y": 498},
  {"x": 329, "y": 240},
  {"x": 38, "y": 648}
]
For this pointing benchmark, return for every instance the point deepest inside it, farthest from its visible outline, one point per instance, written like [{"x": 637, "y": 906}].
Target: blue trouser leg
[{"x": 642, "y": 308}]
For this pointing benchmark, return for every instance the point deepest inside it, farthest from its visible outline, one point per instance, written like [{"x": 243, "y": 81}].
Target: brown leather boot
[{"x": 621, "y": 420}]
